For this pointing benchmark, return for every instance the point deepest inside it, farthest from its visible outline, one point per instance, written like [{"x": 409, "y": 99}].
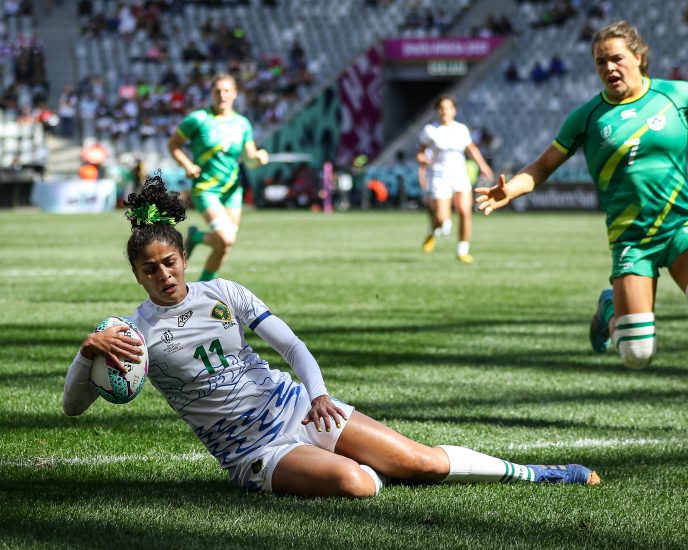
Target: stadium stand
[
  {"x": 24, "y": 114},
  {"x": 141, "y": 67},
  {"x": 523, "y": 115}
]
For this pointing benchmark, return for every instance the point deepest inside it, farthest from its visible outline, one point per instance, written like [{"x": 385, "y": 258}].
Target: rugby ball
[{"x": 111, "y": 383}]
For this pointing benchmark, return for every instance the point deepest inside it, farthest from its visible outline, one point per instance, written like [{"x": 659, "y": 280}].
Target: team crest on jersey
[
  {"x": 167, "y": 336},
  {"x": 184, "y": 317},
  {"x": 656, "y": 122},
  {"x": 221, "y": 312},
  {"x": 606, "y": 131}
]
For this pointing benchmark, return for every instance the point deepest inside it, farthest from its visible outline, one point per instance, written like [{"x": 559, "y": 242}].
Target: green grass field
[{"x": 493, "y": 356}]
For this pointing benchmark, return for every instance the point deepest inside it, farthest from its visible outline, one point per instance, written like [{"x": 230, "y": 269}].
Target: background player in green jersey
[
  {"x": 219, "y": 139},
  {"x": 634, "y": 136}
]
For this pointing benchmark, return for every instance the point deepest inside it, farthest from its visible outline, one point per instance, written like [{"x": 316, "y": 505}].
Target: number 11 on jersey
[{"x": 215, "y": 347}]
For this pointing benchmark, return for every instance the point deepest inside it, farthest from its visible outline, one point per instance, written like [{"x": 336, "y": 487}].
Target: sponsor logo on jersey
[
  {"x": 184, "y": 317},
  {"x": 628, "y": 113},
  {"x": 221, "y": 312},
  {"x": 606, "y": 131},
  {"x": 657, "y": 122},
  {"x": 167, "y": 336}
]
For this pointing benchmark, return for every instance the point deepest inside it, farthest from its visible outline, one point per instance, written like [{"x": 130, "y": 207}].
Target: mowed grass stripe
[
  {"x": 32, "y": 462},
  {"x": 493, "y": 356}
]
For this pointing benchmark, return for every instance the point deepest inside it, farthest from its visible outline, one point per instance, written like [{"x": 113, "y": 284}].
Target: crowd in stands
[
  {"x": 431, "y": 20},
  {"x": 154, "y": 106},
  {"x": 24, "y": 112},
  {"x": 22, "y": 62}
]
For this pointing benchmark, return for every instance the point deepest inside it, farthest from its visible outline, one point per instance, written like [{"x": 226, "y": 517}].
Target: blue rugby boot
[
  {"x": 599, "y": 326},
  {"x": 569, "y": 473}
]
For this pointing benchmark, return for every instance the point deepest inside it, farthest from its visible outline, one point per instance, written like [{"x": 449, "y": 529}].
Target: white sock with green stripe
[
  {"x": 468, "y": 466},
  {"x": 634, "y": 338}
]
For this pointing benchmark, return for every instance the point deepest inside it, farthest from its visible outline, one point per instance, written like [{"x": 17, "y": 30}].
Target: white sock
[
  {"x": 437, "y": 231},
  {"x": 446, "y": 227},
  {"x": 466, "y": 466},
  {"x": 463, "y": 247},
  {"x": 379, "y": 484}
]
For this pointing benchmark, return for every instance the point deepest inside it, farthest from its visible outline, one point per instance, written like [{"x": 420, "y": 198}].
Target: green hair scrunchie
[{"x": 149, "y": 214}]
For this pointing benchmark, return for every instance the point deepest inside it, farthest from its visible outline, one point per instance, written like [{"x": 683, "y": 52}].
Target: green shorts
[
  {"x": 646, "y": 259},
  {"x": 203, "y": 199}
]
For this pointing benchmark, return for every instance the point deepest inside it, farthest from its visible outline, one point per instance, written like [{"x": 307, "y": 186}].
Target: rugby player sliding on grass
[
  {"x": 634, "y": 136},
  {"x": 270, "y": 433}
]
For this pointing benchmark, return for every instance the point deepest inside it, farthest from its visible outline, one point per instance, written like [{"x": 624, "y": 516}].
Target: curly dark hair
[{"x": 168, "y": 203}]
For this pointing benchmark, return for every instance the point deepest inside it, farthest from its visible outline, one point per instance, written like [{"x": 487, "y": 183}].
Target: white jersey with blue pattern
[{"x": 208, "y": 373}]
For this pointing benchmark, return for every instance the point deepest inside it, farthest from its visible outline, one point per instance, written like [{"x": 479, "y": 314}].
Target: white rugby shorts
[
  {"x": 255, "y": 471},
  {"x": 440, "y": 187}
]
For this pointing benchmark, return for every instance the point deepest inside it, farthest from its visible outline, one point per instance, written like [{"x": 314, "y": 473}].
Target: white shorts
[
  {"x": 255, "y": 471},
  {"x": 443, "y": 188}
]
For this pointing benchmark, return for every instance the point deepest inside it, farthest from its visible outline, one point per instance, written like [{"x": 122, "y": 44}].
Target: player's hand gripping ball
[{"x": 110, "y": 382}]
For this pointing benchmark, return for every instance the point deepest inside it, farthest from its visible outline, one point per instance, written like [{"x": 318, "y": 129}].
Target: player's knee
[
  {"x": 637, "y": 355},
  {"x": 224, "y": 233},
  {"x": 635, "y": 341},
  {"x": 353, "y": 482}
]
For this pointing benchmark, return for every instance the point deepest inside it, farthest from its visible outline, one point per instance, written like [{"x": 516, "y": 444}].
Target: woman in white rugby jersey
[
  {"x": 269, "y": 432},
  {"x": 442, "y": 152}
]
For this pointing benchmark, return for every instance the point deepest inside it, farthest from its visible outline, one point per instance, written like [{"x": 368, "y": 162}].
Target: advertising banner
[
  {"x": 360, "y": 94},
  {"x": 75, "y": 196},
  {"x": 425, "y": 49}
]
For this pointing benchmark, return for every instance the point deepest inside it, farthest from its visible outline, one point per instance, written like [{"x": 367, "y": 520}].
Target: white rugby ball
[{"x": 111, "y": 383}]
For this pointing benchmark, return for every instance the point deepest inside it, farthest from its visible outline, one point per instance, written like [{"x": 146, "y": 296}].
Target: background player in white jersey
[
  {"x": 442, "y": 150},
  {"x": 269, "y": 432}
]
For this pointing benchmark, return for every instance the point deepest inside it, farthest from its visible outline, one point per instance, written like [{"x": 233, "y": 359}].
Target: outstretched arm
[
  {"x": 278, "y": 334},
  {"x": 498, "y": 196}
]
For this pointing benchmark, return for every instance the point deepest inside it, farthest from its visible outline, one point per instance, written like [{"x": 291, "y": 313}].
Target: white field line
[
  {"x": 33, "y": 462},
  {"x": 596, "y": 443}
]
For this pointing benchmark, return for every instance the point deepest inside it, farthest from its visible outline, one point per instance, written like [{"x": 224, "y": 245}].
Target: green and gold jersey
[
  {"x": 216, "y": 145},
  {"x": 636, "y": 154}
]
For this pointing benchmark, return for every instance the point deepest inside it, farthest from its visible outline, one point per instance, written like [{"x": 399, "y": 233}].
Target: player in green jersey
[
  {"x": 634, "y": 136},
  {"x": 219, "y": 139}
]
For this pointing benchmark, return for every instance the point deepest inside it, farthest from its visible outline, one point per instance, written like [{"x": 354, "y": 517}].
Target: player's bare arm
[
  {"x": 255, "y": 157},
  {"x": 174, "y": 146},
  {"x": 492, "y": 198}
]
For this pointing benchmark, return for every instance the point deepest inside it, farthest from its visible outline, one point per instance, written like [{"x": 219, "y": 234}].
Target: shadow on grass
[
  {"x": 201, "y": 514},
  {"x": 546, "y": 360}
]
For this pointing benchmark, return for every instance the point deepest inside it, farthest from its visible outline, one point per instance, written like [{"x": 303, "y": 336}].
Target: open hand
[
  {"x": 323, "y": 409},
  {"x": 491, "y": 198},
  {"x": 114, "y": 344}
]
